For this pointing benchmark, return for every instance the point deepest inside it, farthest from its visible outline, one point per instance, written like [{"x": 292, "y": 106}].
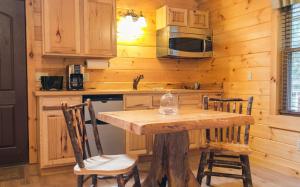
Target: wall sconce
[{"x": 131, "y": 26}]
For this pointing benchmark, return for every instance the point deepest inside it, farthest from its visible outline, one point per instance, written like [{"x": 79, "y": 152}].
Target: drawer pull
[
  {"x": 54, "y": 116},
  {"x": 48, "y": 108},
  {"x": 139, "y": 105}
]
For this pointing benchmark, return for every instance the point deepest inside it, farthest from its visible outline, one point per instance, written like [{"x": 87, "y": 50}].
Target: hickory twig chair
[
  {"x": 226, "y": 148},
  {"x": 121, "y": 167}
]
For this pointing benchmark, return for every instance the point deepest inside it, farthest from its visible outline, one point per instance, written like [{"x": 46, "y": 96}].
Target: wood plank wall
[
  {"x": 243, "y": 46},
  {"x": 134, "y": 58},
  {"x": 242, "y": 37}
]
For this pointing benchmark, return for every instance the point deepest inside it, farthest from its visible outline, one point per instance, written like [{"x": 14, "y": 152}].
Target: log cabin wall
[
  {"x": 133, "y": 58},
  {"x": 243, "y": 39}
]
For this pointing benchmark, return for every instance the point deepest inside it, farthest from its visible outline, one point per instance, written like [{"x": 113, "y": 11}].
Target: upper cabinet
[
  {"x": 198, "y": 19},
  {"x": 168, "y": 16},
  {"x": 61, "y": 27},
  {"x": 99, "y": 27},
  {"x": 177, "y": 16},
  {"x": 83, "y": 28}
]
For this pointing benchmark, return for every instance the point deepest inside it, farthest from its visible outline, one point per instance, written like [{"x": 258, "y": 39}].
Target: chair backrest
[
  {"x": 230, "y": 134},
  {"x": 74, "y": 117}
]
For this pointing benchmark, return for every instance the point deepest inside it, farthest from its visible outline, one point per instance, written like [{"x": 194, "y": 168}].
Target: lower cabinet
[
  {"x": 138, "y": 144},
  {"x": 55, "y": 144}
]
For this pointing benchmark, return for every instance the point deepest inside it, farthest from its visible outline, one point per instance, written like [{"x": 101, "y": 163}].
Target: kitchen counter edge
[{"x": 128, "y": 92}]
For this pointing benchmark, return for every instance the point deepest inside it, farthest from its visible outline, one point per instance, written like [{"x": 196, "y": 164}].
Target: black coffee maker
[{"x": 75, "y": 74}]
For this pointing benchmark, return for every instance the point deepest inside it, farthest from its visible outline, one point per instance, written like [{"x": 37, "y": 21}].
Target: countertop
[{"x": 102, "y": 92}]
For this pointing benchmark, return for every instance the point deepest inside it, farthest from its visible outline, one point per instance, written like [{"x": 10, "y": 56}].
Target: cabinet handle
[
  {"x": 54, "y": 116},
  {"x": 52, "y": 108},
  {"x": 139, "y": 105}
]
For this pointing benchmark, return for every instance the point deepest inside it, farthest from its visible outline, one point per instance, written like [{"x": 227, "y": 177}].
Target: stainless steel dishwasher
[{"x": 112, "y": 138}]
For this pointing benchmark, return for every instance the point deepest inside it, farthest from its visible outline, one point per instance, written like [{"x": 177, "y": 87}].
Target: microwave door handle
[{"x": 204, "y": 45}]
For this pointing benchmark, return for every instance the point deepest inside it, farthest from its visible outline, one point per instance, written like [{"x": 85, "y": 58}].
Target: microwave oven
[{"x": 183, "y": 42}]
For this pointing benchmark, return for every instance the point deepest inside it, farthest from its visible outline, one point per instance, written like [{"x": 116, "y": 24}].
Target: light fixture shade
[
  {"x": 142, "y": 22},
  {"x": 130, "y": 27},
  {"x": 129, "y": 19}
]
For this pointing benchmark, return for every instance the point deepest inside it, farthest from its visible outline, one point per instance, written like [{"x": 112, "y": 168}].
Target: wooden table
[{"x": 170, "y": 149}]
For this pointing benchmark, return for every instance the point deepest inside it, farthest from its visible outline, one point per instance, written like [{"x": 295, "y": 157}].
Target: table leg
[{"x": 170, "y": 159}]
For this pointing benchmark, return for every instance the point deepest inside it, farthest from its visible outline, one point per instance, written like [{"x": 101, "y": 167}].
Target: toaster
[{"x": 50, "y": 83}]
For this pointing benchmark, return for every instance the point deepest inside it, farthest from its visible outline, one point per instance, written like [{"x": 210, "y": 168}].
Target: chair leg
[
  {"x": 210, "y": 166},
  {"x": 136, "y": 176},
  {"x": 247, "y": 181},
  {"x": 80, "y": 181},
  {"x": 164, "y": 182},
  {"x": 201, "y": 168},
  {"x": 120, "y": 180},
  {"x": 94, "y": 181}
]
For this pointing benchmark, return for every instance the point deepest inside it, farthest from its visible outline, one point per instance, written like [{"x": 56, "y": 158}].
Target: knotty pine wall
[
  {"x": 243, "y": 39},
  {"x": 242, "y": 43},
  {"x": 132, "y": 59}
]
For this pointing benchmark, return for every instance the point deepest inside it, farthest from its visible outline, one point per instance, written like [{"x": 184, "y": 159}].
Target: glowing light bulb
[
  {"x": 129, "y": 18},
  {"x": 130, "y": 28},
  {"x": 142, "y": 22}
]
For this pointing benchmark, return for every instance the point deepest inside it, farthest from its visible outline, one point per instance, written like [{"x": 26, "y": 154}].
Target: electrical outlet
[
  {"x": 86, "y": 77},
  {"x": 39, "y": 74},
  {"x": 298, "y": 145},
  {"x": 250, "y": 76}
]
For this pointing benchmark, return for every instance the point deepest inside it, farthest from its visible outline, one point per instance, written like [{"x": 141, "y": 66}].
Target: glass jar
[{"x": 168, "y": 104}]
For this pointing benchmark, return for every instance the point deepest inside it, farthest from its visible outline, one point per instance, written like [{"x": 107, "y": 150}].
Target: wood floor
[{"x": 26, "y": 177}]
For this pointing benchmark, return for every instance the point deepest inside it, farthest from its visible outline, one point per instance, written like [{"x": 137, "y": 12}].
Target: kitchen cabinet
[
  {"x": 99, "y": 28},
  {"x": 167, "y": 16},
  {"x": 55, "y": 144},
  {"x": 61, "y": 33},
  {"x": 138, "y": 144},
  {"x": 198, "y": 19},
  {"x": 170, "y": 16},
  {"x": 137, "y": 102},
  {"x": 190, "y": 100},
  {"x": 177, "y": 16},
  {"x": 79, "y": 28}
]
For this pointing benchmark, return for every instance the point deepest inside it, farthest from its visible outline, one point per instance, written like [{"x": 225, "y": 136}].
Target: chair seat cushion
[
  {"x": 106, "y": 165},
  {"x": 241, "y": 149}
]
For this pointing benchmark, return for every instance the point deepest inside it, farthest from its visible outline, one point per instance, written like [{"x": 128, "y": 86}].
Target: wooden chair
[
  {"x": 226, "y": 148},
  {"x": 122, "y": 167}
]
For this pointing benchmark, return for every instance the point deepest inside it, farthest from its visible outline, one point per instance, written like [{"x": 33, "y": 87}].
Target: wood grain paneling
[
  {"x": 244, "y": 35},
  {"x": 137, "y": 57}
]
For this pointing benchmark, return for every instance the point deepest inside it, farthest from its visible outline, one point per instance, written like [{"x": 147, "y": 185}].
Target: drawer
[
  {"x": 56, "y": 101},
  {"x": 190, "y": 99},
  {"x": 135, "y": 102},
  {"x": 156, "y": 101}
]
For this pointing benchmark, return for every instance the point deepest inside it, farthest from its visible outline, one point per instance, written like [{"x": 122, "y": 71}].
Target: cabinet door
[
  {"x": 136, "y": 144},
  {"x": 55, "y": 144},
  {"x": 61, "y": 30},
  {"x": 190, "y": 99},
  {"x": 177, "y": 16},
  {"x": 198, "y": 19},
  {"x": 138, "y": 102},
  {"x": 56, "y": 148},
  {"x": 194, "y": 139},
  {"x": 99, "y": 28}
]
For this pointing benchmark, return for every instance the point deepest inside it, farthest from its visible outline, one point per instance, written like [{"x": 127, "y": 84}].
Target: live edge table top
[{"x": 189, "y": 118}]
